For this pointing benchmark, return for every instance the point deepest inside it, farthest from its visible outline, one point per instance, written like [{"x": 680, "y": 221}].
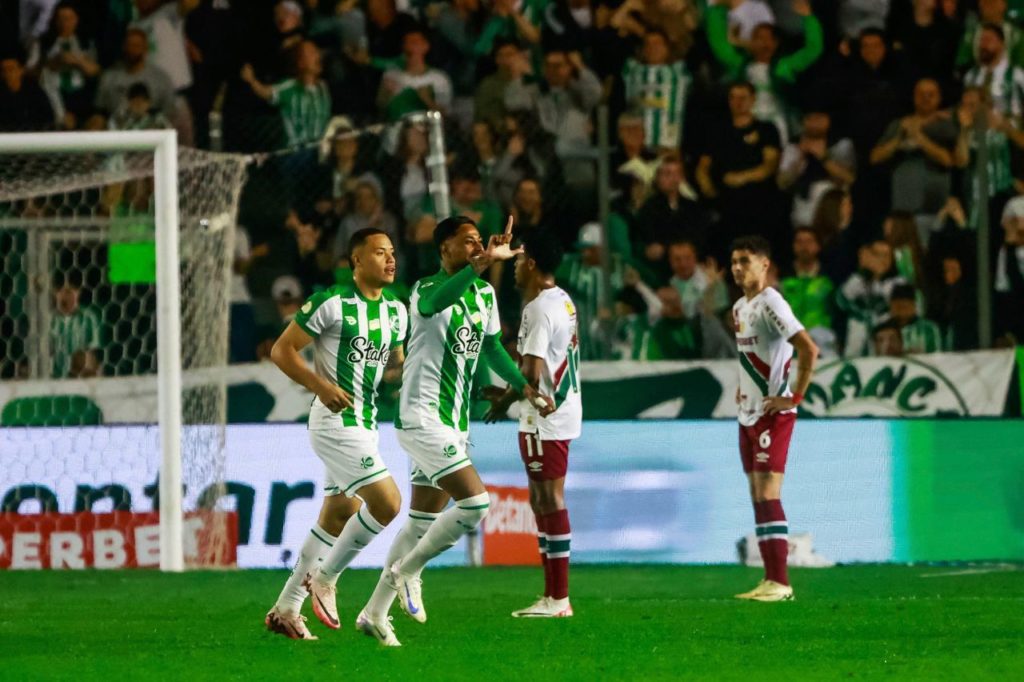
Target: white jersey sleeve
[{"x": 780, "y": 315}]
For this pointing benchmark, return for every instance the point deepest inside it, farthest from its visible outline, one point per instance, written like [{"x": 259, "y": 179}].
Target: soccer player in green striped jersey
[
  {"x": 358, "y": 332},
  {"x": 454, "y": 323},
  {"x": 657, "y": 90}
]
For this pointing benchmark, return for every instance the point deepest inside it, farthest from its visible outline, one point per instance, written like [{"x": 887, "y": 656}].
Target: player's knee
[
  {"x": 385, "y": 509},
  {"x": 474, "y": 509}
]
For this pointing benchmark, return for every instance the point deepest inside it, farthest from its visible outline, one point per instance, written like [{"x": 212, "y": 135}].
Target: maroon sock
[
  {"x": 556, "y": 525},
  {"x": 773, "y": 539},
  {"x": 542, "y": 541}
]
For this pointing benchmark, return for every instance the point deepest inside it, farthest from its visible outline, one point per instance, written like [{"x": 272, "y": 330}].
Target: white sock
[
  {"x": 415, "y": 527},
  {"x": 314, "y": 549},
  {"x": 450, "y": 526},
  {"x": 359, "y": 531}
]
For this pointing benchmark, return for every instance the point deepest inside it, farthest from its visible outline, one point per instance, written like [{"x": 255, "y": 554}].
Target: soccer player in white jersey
[
  {"x": 454, "y": 317},
  {"x": 550, "y": 360},
  {"x": 358, "y": 332},
  {"x": 766, "y": 334}
]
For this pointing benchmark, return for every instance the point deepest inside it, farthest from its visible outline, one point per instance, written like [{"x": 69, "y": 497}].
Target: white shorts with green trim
[
  {"x": 436, "y": 451},
  {"x": 351, "y": 457}
]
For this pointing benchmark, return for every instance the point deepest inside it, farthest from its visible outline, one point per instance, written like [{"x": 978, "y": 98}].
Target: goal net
[{"x": 80, "y": 298}]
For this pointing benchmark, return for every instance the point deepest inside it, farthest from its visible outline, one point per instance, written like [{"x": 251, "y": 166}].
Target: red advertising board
[
  {"x": 510, "y": 529},
  {"x": 111, "y": 540}
]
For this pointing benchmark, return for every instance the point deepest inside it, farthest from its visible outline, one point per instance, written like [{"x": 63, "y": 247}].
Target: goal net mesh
[{"x": 78, "y": 304}]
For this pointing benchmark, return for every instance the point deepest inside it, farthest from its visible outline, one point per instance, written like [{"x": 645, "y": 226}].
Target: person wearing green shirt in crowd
[
  {"x": 809, "y": 292},
  {"x": 770, "y": 73},
  {"x": 582, "y": 276},
  {"x": 516, "y": 19},
  {"x": 919, "y": 335},
  {"x": 73, "y": 328},
  {"x": 992, "y": 12},
  {"x": 415, "y": 86},
  {"x": 303, "y": 101}
]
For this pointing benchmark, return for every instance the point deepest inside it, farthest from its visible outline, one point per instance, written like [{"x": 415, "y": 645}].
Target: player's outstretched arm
[
  {"x": 505, "y": 367},
  {"x": 807, "y": 356},
  {"x": 285, "y": 354}
]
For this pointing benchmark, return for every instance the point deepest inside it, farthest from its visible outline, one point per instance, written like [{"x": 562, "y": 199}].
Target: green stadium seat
[{"x": 58, "y": 410}]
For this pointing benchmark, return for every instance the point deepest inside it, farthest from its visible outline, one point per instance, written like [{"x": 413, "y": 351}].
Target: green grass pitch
[{"x": 631, "y": 623}]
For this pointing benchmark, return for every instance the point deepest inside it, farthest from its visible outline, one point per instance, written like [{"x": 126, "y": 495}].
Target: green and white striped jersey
[
  {"x": 443, "y": 350},
  {"x": 72, "y": 333},
  {"x": 305, "y": 109},
  {"x": 354, "y": 337},
  {"x": 658, "y": 92}
]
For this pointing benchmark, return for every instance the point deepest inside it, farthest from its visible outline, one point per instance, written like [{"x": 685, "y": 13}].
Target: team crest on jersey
[
  {"x": 307, "y": 307},
  {"x": 396, "y": 325}
]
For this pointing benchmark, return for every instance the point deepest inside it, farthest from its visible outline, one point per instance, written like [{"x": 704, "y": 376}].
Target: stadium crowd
[{"x": 842, "y": 130}]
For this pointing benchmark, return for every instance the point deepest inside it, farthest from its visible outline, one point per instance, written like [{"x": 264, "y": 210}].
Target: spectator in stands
[
  {"x": 137, "y": 113},
  {"x": 1001, "y": 137},
  {"x": 832, "y": 221},
  {"x": 763, "y": 67},
  {"x": 306, "y": 256},
  {"x": 134, "y": 68},
  {"x": 485, "y": 157},
  {"x": 386, "y": 30},
  {"x": 919, "y": 148},
  {"x": 886, "y": 340},
  {"x": 919, "y": 335},
  {"x": 569, "y": 24},
  {"x": 287, "y": 294},
  {"x": 864, "y": 297},
  {"x": 289, "y": 24},
  {"x": 406, "y": 172},
  {"x": 999, "y": 78},
  {"x": 518, "y": 21},
  {"x": 562, "y": 105},
  {"x": 304, "y": 101},
  {"x": 657, "y": 90},
  {"x": 164, "y": 26},
  {"x": 901, "y": 232},
  {"x": 700, "y": 285},
  {"x": 744, "y": 18},
  {"x": 809, "y": 291},
  {"x": 677, "y": 18},
  {"x": 23, "y": 104},
  {"x": 1009, "y": 274},
  {"x": 872, "y": 91},
  {"x": 581, "y": 274},
  {"x": 367, "y": 211},
  {"x": 632, "y": 144},
  {"x": 670, "y": 214},
  {"x": 990, "y": 13},
  {"x": 529, "y": 151},
  {"x": 67, "y": 67},
  {"x": 738, "y": 167},
  {"x": 955, "y": 307},
  {"x": 73, "y": 327},
  {"x": 926, "y": 38},
  {"x": 342, "y": 165},
  {"x": 511, "y": 64},
  {"x": 622, "y": 332},
  {"x": 814, "y": 163},
  {"x": 673, "y": 335},
  {"x": 624, "y": 221},
  {"x": 459, "y": 25},
  {"x": 415, "y": 86},
  {"x": 242, "y": 329}
]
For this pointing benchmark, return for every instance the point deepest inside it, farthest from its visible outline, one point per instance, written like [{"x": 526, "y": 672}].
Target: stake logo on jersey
[
  {"x": 764, "y": 325},
  {"x": 549, "y": 331},
  {"x": 354, "y": 338},
  {"x": 443, "y": 351}
]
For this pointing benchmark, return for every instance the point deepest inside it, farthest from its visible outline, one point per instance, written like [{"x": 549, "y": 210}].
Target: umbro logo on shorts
[
  {"x": 536, "y": 466},
  {"x": 761, "y": 457}
]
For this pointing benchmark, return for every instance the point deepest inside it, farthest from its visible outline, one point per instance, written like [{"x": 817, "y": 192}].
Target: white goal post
[{"x": 163, "y": 144}]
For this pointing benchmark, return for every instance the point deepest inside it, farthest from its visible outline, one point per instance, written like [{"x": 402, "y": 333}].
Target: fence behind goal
[{"x": 79, "y": 298}]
